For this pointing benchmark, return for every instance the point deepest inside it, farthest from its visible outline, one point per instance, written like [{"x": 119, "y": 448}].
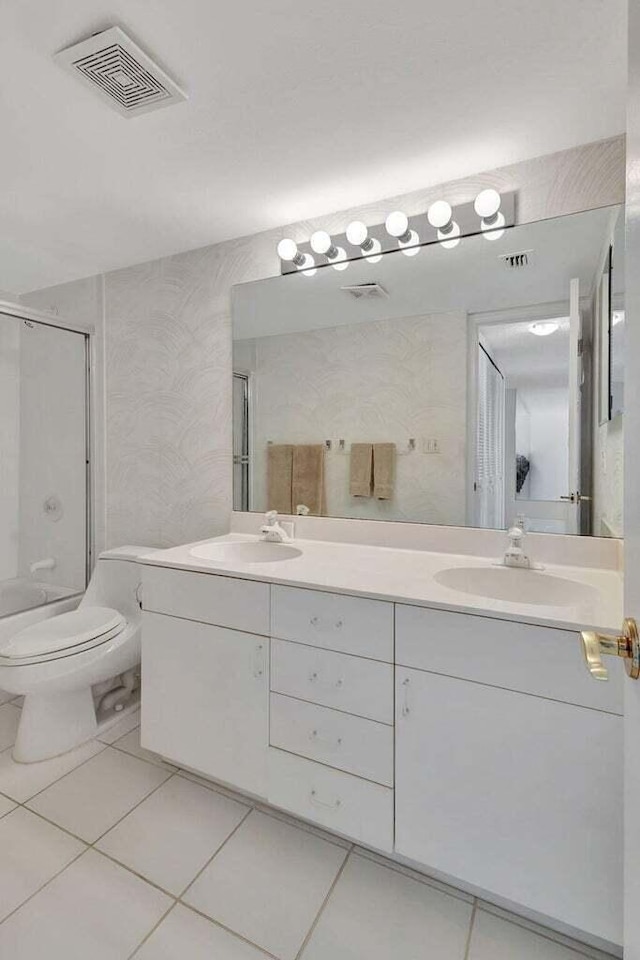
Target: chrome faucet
[
  {"x": 515, "y": 555},
  {"x": 272, "y": 529}
]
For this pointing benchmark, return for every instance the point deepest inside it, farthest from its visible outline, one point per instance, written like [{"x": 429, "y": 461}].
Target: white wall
[
  {"x": 167, "y": 335},
  {"x": 370, "y": 382},
  {"x": 9, "y": 445},
  {"x": 548, "y": 432}
]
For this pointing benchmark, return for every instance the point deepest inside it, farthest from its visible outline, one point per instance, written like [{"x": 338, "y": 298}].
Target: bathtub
[{"x": 23, "y": 602}]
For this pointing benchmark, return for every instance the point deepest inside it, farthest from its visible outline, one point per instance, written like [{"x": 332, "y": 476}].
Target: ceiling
[
  {"x": 471, "y": 278},
  {"x": 526, "y": 360},
  {"x": 294, "y": 110}
]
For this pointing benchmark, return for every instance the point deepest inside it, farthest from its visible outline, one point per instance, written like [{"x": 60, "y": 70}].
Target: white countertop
[{"x": 407, "y": 576}]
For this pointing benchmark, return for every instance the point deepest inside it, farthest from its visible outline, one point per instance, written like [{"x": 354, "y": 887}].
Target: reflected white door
[{"x": 575, "y": 408}]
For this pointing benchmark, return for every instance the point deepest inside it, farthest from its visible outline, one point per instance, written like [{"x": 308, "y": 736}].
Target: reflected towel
[
  {"x": 308, "y": 477},
  {"x": 384, "y": 470},
  {"x": 279, "y": 477},
  {"x": 361, "y": 469}
]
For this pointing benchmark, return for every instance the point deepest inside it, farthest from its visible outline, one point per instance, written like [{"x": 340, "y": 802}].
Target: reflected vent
[
  {"x": 366, "y": 291},
  {"x": 516, "y": 261},
  {"x": 112, "y": 64}
]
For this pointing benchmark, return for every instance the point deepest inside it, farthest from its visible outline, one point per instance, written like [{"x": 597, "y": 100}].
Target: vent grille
[
  {"x": 516, "y": 260},
  {"x": 111, "y": 63},
  {"x": 366, "y": 291}
]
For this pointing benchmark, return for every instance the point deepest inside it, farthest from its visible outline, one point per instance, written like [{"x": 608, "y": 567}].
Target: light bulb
[
  {"x": 375, "y": 254},
  {"x": 397, "y": 225},
  {"x": 287, "y": 249},
  {"x": 487, "y": 203},
  {"x": 542, "y": 328},
  {"x": 321, "y": 242},
  {"x": 357, "y": 233},
  {"x": 340, "y": 262},
  {"x": 450, "y": 238},
  {"x": 411, "y": 246},
  {"x": 439, "y": 214}
]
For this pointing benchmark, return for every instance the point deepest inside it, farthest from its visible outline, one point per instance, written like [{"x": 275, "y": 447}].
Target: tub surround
[{"x": 347, "y": 686}]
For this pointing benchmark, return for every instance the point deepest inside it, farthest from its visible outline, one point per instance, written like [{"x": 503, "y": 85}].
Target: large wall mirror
[{"x": 463, "y": 384}]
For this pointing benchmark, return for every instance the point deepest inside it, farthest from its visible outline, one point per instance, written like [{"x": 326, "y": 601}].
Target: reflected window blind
[{"x": 490, "y": 445}]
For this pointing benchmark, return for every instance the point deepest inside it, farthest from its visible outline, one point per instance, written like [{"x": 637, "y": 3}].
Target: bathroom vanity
[{"x": 352, "y": 687}]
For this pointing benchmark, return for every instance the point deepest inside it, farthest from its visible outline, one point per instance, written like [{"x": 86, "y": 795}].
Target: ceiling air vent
[
  {"x": 516, "y": 260},
  {"x": 366, "y": 291},
  {"x": 111, "y": 63}
]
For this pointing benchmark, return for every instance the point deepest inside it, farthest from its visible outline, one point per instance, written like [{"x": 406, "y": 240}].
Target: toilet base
[{"x": 54, "y": 724}]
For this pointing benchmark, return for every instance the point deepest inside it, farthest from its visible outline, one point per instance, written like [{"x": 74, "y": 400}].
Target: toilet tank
[{"x": 115, "y": 581}]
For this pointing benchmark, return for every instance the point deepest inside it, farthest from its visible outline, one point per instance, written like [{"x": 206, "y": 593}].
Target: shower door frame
[{"x": 19, "y": 312}]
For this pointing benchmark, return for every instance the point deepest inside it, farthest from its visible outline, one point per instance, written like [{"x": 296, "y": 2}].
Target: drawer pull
[
  {"x": 335, "y": 805},
  {"x": 316, "y": 622},
  {"x": 258, "y": 662},
  {"x": 314, "y": 678},
  {"x": 315, "y": 737}
]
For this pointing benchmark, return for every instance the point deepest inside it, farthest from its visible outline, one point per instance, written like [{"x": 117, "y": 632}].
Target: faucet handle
[{"x": 271, "y": 517}]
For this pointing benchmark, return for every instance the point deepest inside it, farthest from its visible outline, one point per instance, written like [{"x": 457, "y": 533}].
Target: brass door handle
[{"x": 627, "y": 646}]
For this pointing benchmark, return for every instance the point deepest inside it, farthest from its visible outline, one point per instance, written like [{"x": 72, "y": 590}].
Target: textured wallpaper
[{"x": 163, "y": 348}]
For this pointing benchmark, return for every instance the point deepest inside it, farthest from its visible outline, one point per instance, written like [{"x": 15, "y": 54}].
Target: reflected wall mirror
[{"x": 471, "y": 384}]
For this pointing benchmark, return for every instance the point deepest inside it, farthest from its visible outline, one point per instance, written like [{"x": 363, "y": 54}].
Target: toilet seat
[{"x": 62, "y": 636}]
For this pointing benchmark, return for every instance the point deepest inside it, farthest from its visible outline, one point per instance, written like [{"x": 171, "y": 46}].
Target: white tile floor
[{"x": 110, "y": 853}]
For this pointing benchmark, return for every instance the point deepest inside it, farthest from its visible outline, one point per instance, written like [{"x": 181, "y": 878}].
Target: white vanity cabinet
[
  {"x": 205, "y": 701},
  {"x": 515, "y": 793}
]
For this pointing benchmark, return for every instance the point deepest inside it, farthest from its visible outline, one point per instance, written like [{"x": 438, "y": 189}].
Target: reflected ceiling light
[
  {"x": 542, "y": 328},
  {"x": 288, "y": 251},
  {"x": 397, "y": 225},
  {"x": 495, "y": 229},
  {"x": 358, "y": 236},
  {"x": 487, "y": 204},
  {"x": 440, "y": 214},
  {"x": 617, "y": 317}
]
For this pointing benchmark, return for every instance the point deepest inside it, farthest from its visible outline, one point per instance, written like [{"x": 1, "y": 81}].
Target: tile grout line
[
  {"x": 410, "y": 874},
  {"x": 152, "y": 930},
  {"x": 546, "y": 933},
  {"x": 215, "y": 854},
  {"x": 474, "y": 910},
  {"x": 45, "y": 884},
  {"x": 58, "y": 779},
  {"x": 310, "y": 932},
  {"x": 234, "y": 933}
]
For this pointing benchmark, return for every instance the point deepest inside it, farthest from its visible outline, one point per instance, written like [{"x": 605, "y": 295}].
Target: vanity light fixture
[
  {"x": 357, "y": 235},
  {"x": 543, "y": 328},
  {"x": 288, "y": 250},
  {"x": 397, "y": 225},
  {"x": 322, "y": 243},
  {"x": 440, "y": 216},
  {"x": 487, "y": 206}
]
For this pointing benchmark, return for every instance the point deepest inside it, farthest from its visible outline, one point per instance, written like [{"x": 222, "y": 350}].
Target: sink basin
[
  {"x": 246, "y": 551},
  {"x": 516, "y": 585}
]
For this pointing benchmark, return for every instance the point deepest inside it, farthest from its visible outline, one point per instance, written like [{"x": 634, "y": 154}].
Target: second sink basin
[
  {"x": 516, "y": 585},
  {"x": 245, "y": 551}
]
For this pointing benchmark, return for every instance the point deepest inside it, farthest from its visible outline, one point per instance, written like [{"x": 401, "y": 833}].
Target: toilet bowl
[{"x": 54, "y": 663}]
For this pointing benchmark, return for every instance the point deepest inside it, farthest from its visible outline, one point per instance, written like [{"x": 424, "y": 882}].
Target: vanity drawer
[
  {"x": 352, "y": 625},
  {"x": 504, "y": 653},
  {"x": 224, "y": 601},
  {"x": 361, "y": 747},
  {"x": 351, "y": 684},
  {"x": 339, "y": 801}
]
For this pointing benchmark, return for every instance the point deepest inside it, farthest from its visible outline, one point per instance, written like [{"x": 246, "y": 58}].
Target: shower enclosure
[{"x": 44, "y": 463}]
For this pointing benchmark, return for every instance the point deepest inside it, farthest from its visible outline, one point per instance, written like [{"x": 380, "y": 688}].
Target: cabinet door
[
  {"x": 517, "y": 795},
  {"x": 205, "y": 699}
]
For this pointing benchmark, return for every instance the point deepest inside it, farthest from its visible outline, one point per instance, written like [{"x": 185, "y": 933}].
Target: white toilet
[{"x": 55, "y": 662}]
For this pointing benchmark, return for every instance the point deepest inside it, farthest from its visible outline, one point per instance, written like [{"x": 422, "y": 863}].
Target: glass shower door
[{"x": 43, "y": 463}]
